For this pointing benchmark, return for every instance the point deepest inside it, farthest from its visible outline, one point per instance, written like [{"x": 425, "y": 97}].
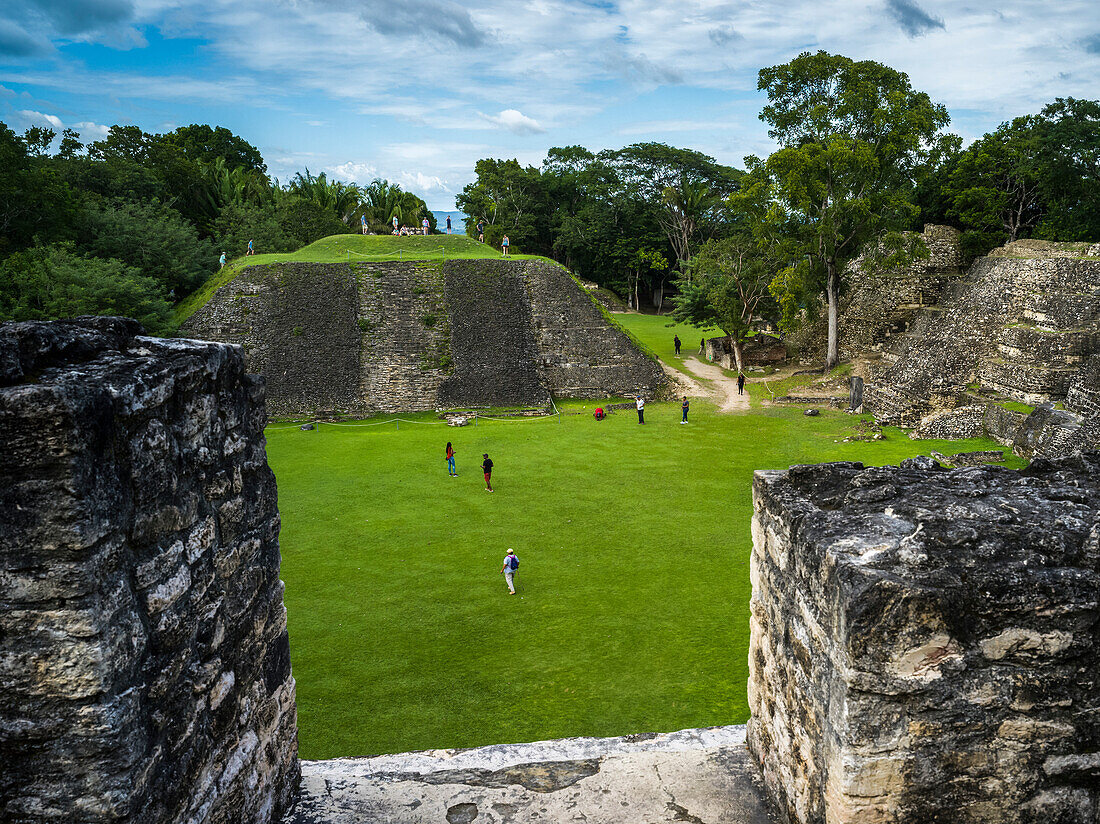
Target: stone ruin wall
[
  {"x": 1022, "y": 326},
  {"x": 923, "y": 642},
  {"x": 361, "y": 338},
  {"x": 145, "y": 674},
  {"x": 876, "y": 307}
]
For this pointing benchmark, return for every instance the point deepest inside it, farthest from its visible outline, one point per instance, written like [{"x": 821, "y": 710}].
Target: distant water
[{"x": 457, "y": 225}]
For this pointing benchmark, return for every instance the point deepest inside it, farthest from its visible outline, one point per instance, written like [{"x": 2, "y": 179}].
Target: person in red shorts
[{"x": 487, "y": 468}]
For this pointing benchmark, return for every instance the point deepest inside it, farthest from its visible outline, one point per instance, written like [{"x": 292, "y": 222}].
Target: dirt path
[{"x": 721, "y": 387}]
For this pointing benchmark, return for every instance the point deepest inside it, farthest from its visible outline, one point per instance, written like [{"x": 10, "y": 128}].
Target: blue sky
[{"x": 417, "y": 90}]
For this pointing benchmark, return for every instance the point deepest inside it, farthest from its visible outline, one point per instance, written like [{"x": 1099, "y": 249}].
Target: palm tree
[{"x": 335, "y": 196}]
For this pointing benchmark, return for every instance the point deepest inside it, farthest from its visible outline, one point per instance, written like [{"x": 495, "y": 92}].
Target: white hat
[{"x": 510, "y": 551}]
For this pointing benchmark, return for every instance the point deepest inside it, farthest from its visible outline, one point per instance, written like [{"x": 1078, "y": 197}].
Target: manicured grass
[
  {"x": 344, "y": 249},
  {"x": 632, "y": 613},
  {"x": 656, "y": 332}
]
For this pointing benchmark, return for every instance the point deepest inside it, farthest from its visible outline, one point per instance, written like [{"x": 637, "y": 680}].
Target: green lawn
[
  {"x": 656, "y": 332},
  {"x": 632, "y": 613},
  {"x": 348, "y": 248}
]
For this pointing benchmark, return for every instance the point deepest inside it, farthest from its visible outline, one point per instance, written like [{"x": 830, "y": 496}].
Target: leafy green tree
[
  {"x": 995, "y": 188},
  {"x": 728, "y": 286},
  {"x": 852, "y": 136},
  {"x": 304, "y": 222},
  {"x": 52, "y": 282},
  {"x": 34, "y": 199},
  {"x": 511, "y": 200},
  {"x": 239, "y": 223},
  {"x": 207, "y": 145},
  {"x": 1069, "y": 160},
  {"x": 154, "y": 239}
]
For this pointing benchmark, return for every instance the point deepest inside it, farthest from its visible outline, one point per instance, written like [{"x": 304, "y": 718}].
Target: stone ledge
[{"x": 699, "y": 775}]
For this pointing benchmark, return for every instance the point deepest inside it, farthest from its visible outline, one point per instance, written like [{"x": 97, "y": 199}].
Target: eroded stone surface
[
  {"x": 144, "y": 662},
  {"x": 702, "y": 776},
  {"x": 922, "y": 641}
]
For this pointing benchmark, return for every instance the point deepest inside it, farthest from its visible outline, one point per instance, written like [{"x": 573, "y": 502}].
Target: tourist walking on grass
[
  {"x": 740, "y": 383},
  {"x": 684, "y": 408},
  {"x": 451, "y": 461},
  {"x": 395, "y": 224},
  {"x": 481, "y": 231},
  {"x": 640, "y": 403},
  {"x": 424, "y": 225},
  {"x": 221, "y": 262},
  {"x": 448, "y": 224},
  {"x": 508, "y": 569},
  {"x": 504, "y": 247},
  {"x": 676, "y": 343},
  {"x": 251, "y": 250},
  {"x": 487, "y": 468}
]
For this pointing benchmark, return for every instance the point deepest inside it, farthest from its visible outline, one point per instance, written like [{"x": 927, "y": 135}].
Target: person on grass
[
  {"x": 221, "y": 262},
  {"x": 487, "y": 468},
  {"x": 640, "y": 403},
  {"x": 481, "y": 231},
  {"x": 424, "y": 225},
  {"x": 451, "y": 461},
  {"x": 684, "y": 407},
  {"x": 395, "y": 224},
  {"x": 448, "y": 224},
  {"x": 504, "y": 246},
  {"x": 508, "y": 569},
  {"x": 676, "y": 343},
  {"x": 740, "y": 383},
  {"x": 251, "y": 249}
]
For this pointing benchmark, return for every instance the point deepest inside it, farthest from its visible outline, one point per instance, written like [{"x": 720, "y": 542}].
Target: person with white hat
[{"x": 511, "y": 564}]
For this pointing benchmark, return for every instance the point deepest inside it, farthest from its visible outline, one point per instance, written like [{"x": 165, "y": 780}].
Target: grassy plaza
[{"x": 633, "y": 589}]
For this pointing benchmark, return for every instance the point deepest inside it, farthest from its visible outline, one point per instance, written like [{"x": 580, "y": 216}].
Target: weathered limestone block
[
  {"x": 923, "y": 642},
  {"x": 144, "y": 662}
]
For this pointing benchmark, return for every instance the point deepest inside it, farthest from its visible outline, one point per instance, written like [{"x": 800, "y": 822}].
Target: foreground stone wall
[
  {"x": 358, "y": 338},
  {"x": 923, "y": 642},
  {"x": 144, "y": 662}
]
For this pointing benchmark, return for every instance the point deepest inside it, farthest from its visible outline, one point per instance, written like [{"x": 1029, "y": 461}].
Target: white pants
[{"x": 510, "y": 579}]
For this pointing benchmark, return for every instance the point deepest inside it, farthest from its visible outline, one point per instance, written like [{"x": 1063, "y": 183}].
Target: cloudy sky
[{"x": 417, "y": 90}]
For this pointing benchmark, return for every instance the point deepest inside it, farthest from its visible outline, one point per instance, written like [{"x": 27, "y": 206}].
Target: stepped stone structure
[
  {"x": 923, "y": 642},
  {"x": 359, "y": 338},
  {"x": 144, "y": 659},
  {"x": 957, "y": 355}
]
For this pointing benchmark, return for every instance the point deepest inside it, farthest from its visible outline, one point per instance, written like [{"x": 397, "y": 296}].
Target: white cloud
[
  {"x": 91, "y": 131},
  {"x": 41, "y": 119},
  {"x": 353, "y": 172},
  {"x": 516, "y": 122}
]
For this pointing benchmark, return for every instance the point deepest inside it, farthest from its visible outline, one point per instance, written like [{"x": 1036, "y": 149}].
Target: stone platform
[{"x": 704, "y": 776}]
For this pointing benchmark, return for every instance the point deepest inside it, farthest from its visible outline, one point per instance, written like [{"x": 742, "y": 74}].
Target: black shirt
[{"x": 487, "y": 465}]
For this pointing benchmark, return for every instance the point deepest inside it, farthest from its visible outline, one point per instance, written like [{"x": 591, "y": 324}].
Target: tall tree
[
  {"x": 728, "y": 286},
  {"x": 851, "y": 135}
]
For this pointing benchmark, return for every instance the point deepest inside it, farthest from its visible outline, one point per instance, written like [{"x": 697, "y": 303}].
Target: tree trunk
[{"x": 832, "y": 298}]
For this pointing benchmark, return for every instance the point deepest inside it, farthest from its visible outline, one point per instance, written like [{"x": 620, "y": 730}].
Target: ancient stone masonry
[
  {"x": 144, "y": 661},
  {"x": 1014, "y": 331},
  {"x": 298, "y": 324},
  {"x": 923, "y": 642},
  {"x": 581, "y": 354},
  {"x": 492, "y": 337},
  {"x": 359, "y": 338},
  {"x": 876, "y": 307}
]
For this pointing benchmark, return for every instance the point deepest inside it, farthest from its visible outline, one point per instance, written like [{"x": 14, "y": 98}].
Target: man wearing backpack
[{"x": 511, "y": 564}]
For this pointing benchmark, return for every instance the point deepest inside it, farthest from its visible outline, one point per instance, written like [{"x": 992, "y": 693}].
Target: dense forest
[{"x": 133, "y": 223}]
